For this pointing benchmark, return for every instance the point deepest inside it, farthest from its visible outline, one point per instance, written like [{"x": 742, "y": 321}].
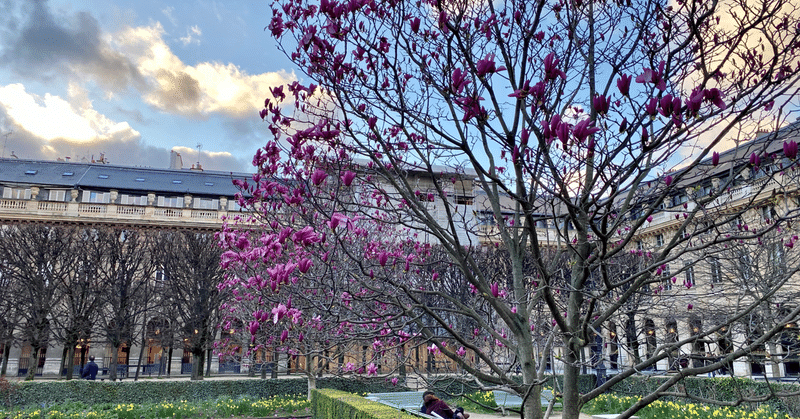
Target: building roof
[{"x": 105, "y": 176}]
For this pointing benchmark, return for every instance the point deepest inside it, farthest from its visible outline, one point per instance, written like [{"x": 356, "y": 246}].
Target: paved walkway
[{"x": 554, "y": 415}]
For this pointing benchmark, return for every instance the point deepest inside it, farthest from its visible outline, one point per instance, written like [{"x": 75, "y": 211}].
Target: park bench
[
  {"x": 506, "y": 400},
  {"x": 406, "y": 401}
]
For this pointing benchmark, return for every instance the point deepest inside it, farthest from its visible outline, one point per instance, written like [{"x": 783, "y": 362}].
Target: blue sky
[{"x": 134, "y": 80}]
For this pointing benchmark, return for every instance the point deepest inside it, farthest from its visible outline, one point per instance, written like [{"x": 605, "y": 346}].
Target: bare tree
[
  {"x": 82, "y": 293},
  {"x": 127, "y": 268},
  {"x": 191, "y": 263},
  {"x": 37, "y": 259}
]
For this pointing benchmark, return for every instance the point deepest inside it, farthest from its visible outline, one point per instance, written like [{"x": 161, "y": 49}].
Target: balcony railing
[{"x": 20, "y": 209}]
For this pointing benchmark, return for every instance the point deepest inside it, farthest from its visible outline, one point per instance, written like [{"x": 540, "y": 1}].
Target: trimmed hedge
[
  {"x": 586, "y": 383},
  {"x": 32, "y": 393},
  {"x": 334, "y": 404}
]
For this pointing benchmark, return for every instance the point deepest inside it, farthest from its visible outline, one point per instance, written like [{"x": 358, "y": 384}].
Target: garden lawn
[
  {"x": 609, "y": 403},
  {"x": 276, "y": 406}
]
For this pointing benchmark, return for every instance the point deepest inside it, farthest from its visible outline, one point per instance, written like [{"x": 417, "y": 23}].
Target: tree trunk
[
  {"x": 275, "y": 357},
  {"x": 141, "y": 356},
  {"x": 33, "y": 364},
  {"x": 312, "y": 380},
  {"x": 70, "y": 361},
  {"x": 169, "y": 361},
  {"x": 197, "y": 364},
  {"x": 571, "y": 395},
  {"x": 532, "y": 407},
  {"x": 112, "y": 364},
  {"x": 63, "y": 363},
  {"x": 6, "y": 354}
]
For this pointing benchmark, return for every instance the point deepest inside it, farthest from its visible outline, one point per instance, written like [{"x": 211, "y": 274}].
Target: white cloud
[
  {"x": 168, "y": 13},
  {"x": 191, "y": 33},
  {"x": 51, "y": 117},
  {"x": 49, "y": 127},
  {"x": 193, "y": 90}
]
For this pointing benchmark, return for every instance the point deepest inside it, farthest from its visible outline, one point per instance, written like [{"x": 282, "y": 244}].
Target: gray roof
[{"x": 95, "y": 176}]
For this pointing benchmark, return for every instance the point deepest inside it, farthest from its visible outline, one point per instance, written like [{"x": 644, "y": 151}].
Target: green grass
[
  {"x": 609, "y": 403},
  {"x": 479, "y": 402},
  {"x": 224, "y": 407}
]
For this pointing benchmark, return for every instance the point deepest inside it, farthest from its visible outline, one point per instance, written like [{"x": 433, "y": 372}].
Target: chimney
[{"x": 175, "y": 160}]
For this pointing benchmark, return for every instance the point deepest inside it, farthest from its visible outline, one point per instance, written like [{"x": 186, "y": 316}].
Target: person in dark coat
[
  {"x": 432, "y": 405},
  {"x": 90, "y": 370}
]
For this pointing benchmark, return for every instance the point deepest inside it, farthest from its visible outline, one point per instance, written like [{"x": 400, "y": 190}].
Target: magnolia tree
[{"x": 549, "y": 127}]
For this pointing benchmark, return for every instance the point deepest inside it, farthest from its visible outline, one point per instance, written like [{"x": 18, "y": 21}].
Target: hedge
[
  {"x": 335, "y": 404},
  {"x": 457, "y": 386},
  {"x": 33, "y": 393},
  {"x": 725, "y": 389}
]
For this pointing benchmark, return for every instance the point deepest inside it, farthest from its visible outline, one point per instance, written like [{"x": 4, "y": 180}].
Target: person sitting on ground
[{"x": 432, "y": 405}]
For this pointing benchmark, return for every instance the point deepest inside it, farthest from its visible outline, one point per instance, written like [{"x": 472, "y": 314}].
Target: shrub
[
  {"x": 334, "y": 404},
  {"x": 32, "y": 393}
]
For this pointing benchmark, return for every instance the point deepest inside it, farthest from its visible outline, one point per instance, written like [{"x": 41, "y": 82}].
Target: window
[
  {"x": 679, "y": 199},
  {"x": 777, "y": 261},
  {"x": 715, "y": 269},
  {"x": 125, "y": 199},
  {"x": 233, "y": 205},
  {"x": 206, "y": 203},
  {"x": 96, "y": 197},
  {"x": 639, "y": 245},
  {"x": 659, "y": 240},
  {"x": 59, "y": 195},
  {"x": 102, "y": 176},
  {"x": 170, "y": 201},
  {"x": 768, "y": 213},
  {"x": 16, "y": 193},
  {"x": 31, "y": 172},
  {"x": 688, "y": 274},
  {"x": 745, "y": 265},
  {"x": 463, "y": 200},
  {"x": 667, "y": 278}
]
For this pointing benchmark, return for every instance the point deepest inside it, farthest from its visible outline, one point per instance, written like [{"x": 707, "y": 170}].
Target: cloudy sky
[{"x": 135, "y": 80}]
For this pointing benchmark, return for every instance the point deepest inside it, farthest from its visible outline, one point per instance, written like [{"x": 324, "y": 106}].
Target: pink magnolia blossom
[
  {"x": 624, "y": 84},
  {"x": 461, "y": 351},
  {"x": 372, "y": 369},
  {"x": 415, "y": 25},
  {"x": 715, "y": 159},
  {"x": 278, "y": 312},
  {"x": 584, "y": 129},
  {"x": 459, "y": 81},
  {"x": 755, "y": 160},
  {"x": 487, "y": 66},
  {"x": 790, "y": 149},
  {"x": 653, "y": 76},
  {"x": 347, "y": 178},
  {"x": 551, "y": 70},
  {"x": 601, "y": 104}
]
